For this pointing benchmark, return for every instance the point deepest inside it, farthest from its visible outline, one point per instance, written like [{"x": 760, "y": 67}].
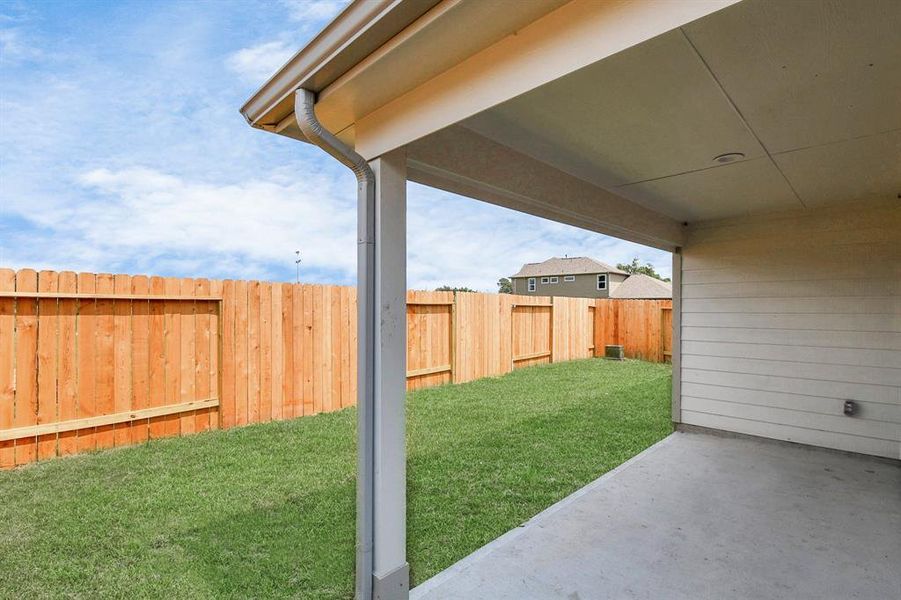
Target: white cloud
[
  {"x": 165, "y": 223},
  {"x": 309, "y": 10},
  {"x": 14, "y": 47},
  {"x": 256, "y": 63}
]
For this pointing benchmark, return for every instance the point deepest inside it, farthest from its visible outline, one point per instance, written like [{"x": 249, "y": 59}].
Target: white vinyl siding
[{"x": 785, "y": 317}]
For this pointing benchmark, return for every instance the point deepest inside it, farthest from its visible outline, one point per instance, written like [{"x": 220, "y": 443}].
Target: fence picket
[
  {"x": 48, "y": 329},
  {"x": 254, "y": 301},
  {"x": 158, "y": 388},
  {"x": 26, "y": 364},
  {"x": 186, "y": 389},
  {"x": 140, "y": 357},
  {"x": 265, "y": 366},
  {"x": 7, "y": 366},
  {"x": 316, "y": 371},
  {"x": 122, "y": 372},
  {"x": 172, "y": 327},
  {"x": 202, "y": 353},
  {"x": 242, "y": 379},
  {"x": 214, "y": 309},
  {"x": 278, "y": 355}
]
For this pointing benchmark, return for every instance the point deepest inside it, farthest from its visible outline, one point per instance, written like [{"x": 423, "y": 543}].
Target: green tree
[
  {"x": 449, "y": 288},
  {"x": 504, "y": 286},
  {"x": 646, "y": 269}
]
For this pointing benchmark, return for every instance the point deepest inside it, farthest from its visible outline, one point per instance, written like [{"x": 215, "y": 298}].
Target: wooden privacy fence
[{"x": 94, "y": 361}]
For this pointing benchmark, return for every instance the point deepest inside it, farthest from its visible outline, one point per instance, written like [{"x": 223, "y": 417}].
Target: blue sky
[{"x": 122, "y": 150}]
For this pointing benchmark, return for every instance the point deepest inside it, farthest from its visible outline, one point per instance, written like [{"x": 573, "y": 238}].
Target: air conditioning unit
[{"x": 613, "y": 352}]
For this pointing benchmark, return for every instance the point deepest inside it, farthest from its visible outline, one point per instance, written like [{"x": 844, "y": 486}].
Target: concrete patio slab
[{"x": 703, "y": 516}]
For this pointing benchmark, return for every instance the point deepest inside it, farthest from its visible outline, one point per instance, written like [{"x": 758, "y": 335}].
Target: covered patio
[
  {"x": 703, "y": 516},
  {"x": 756, "y": 140}
]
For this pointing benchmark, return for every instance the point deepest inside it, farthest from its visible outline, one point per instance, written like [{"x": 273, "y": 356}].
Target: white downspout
[{"x": 304, "y": 102}]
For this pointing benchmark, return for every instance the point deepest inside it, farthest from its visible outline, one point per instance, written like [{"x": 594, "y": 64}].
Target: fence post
[
  {"x": 661, "y": 335},
  {"x": 553, "y": 313},
  {"x": 453, "y": 339}
]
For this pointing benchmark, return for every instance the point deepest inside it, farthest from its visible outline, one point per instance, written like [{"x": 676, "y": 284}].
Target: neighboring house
[{"x": 583, "y": 277}]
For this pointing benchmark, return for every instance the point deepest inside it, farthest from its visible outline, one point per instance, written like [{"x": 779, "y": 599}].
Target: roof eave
[
  {"x": 520, "y": 275},
  {"x": 356, "y": 32}
]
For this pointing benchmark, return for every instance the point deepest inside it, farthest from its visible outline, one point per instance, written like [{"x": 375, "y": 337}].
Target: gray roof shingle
[
  {"x": 576, "y": 265},
  {"x": 642, "y": 286}
]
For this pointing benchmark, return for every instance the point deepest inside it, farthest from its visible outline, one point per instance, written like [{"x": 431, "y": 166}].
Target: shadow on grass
[{"x": 300, "y": 548}]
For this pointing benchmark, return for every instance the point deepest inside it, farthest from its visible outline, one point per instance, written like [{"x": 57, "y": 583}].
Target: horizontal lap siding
[{"x": 785, "y": 317}]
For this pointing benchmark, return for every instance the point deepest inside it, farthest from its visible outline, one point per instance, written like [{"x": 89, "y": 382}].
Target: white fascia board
[
  {"x": 358, "y": 31},
  {"x": 574, "y": 36}
]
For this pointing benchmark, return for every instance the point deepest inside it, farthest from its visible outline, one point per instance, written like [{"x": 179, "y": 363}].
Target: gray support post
[
  {"x": 382, "y": 571},
  {"x": 676, "y": 358},
  {"x": 391, "y": 579}
]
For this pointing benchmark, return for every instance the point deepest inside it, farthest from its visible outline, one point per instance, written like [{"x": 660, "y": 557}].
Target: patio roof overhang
[
  {"x": 629, "y": 105},
  {"x": 447, "y": 77},
  {"x": 629, "y": 118}
]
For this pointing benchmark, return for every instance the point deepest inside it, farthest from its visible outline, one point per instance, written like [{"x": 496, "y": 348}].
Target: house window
[
  {"x": 554, "y": 280},
  {"x": 569, "y": 278},
  {"x": 531, "y": 284},
  {"x": 545, "y": 280},
  {"x": 602, "y": 282}
]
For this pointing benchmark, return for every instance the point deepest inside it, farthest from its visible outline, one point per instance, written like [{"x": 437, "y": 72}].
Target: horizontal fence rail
[{"x": 91, "y": 361}]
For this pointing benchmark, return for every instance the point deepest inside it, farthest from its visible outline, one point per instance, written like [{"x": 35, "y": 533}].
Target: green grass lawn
[{"x": 268, "y": 510}]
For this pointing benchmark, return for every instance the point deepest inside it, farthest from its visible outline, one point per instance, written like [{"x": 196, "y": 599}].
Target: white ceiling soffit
[
  {"x": 436, "y": 35},
  {"x": 397, "y": 66},
  {"x": 809, "y": 92},
  {"x": 808, "y": 73},
  {"x": 846, "y": 171},
  {"x": 754, "y": 185},
  {"x": 650, "y": 111}
]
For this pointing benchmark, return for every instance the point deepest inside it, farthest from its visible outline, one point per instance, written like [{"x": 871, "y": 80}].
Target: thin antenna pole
[{"x": 297, "y": 266}]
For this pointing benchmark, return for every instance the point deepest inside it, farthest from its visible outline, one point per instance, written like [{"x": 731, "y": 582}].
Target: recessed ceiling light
[{"x": 728, "y": 157}]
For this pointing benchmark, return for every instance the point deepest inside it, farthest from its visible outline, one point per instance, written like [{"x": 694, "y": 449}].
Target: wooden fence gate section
[
  {"x": 576, "y": 317},
  {"x": 531, "y": 334},
  {"x": 430, "y": 338}
]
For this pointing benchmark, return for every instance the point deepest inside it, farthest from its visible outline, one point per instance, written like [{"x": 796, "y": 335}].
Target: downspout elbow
[{"x": 305, "y": 113}]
